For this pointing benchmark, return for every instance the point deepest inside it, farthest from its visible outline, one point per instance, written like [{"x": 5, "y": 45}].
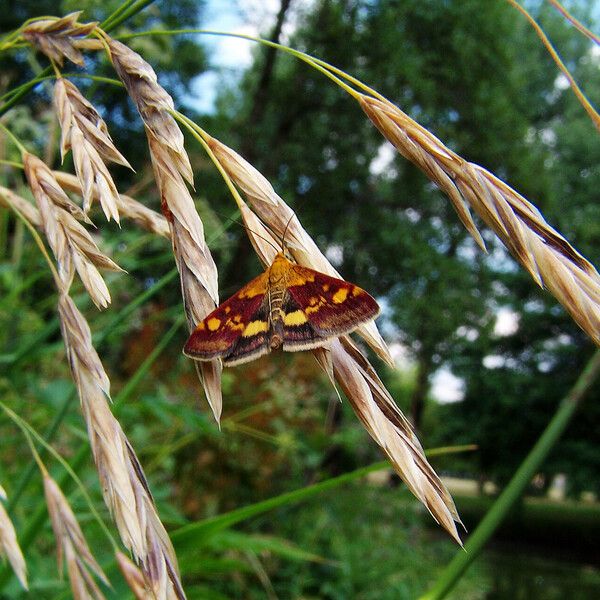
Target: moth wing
[
  {"x": 331, "y": 306},
  {"x": 298, "y": 332},
  {"x": 237, "y": 330}
]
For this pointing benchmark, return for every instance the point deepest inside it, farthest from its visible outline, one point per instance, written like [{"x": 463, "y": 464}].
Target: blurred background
[{"x": 483, "y": 355}]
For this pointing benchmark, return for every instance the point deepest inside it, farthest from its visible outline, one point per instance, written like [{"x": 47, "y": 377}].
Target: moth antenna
[
  {"x": 232, "y": 220},
  {"x": 285, "y": 231},
  {"x": 262, "y": 237}
]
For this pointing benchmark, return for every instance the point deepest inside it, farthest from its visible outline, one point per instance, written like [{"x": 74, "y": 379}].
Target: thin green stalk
[
  {"x": 201, "y": 137},
  {"x": 14, "y": 140},
  {"x": 135, "y": 7},
  {"x": 40, "y": 513},
  {"x": 194, "y": 532},
  {"x": 116, "y": 14},
  {"x": 3, "y": 234},
  {"x": 12, "y": 163},
  {"x": 97, "y": 78},
  {"x": 512, "y": 492},
  {"x": 325, "y": 68},
  {"x": 31, "y": 467}
]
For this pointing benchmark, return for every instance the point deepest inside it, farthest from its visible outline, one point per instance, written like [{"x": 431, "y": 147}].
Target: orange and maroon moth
[{"x": 287, "y": 306}]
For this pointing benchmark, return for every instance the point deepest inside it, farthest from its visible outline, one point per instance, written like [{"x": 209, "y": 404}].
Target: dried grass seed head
[
  {"x": 9, "y": 546},
  {"x": 134, "y": 577},
  {"x": 123, "y": 483},
  {"x": 144, "y": 217},
  {"x": 179, "y": 209},
  {"x": 86, "y": 134},
  {"x": 389, "y": 428},
  {"x": 198, "y": 272},
  {"x": 153, "y": 103},
  {"x": 71, "y": 542},
  {"x": 71, "y": 243},
  {"x": 197, "y": 269},
  {"x": 59, "y": 38},
  {"x": 9, "y": 199},
  {"x": 547, "y": 256}
]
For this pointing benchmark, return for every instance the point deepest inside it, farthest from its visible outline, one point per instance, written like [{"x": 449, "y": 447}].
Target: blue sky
[{"x": 229, "y": 55}]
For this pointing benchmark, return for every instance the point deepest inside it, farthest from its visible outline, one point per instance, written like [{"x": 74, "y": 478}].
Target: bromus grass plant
[{"x": 62, "y": 211}]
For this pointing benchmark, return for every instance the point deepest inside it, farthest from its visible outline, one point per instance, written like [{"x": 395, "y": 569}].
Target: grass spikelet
[
  {"x": 387, "y": 425},
  {"x": 128, "y": 207},
  {"x": 71, "y": 244},
  {"x": 197, "y": 270},
  {"x": 72, "y": 545},
  {"x": 153, "y": 103},
  {"x": 542, "y": 251},
  {"x": 8, "y": 198},
  {"x": 144, "y": 217},
  {"x": 280, "y": 218},
  {"x": 59, "y": 38},
  {"x": 85, "y": 133},
  {"x": 10, "y": 547},
  {"x": 134, "y": 577},
  {"x": 263, "y": 242}
]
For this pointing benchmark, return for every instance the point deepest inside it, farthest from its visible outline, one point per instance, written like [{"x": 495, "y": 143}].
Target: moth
[{"x": 288, "y": 306}]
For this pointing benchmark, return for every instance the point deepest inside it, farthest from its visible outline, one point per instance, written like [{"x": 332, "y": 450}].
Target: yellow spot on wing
[
  {"x": 213, "y": 323},
  {"x": 255, "y": 327},
  {"x": 295, "y": 318},
  {"x": 340, "y": 296}
]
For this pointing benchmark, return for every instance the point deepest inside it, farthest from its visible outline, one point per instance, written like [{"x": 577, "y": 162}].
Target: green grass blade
[
  {"x": 237, "y": 540},
  {"x": 195, "y": 532}
]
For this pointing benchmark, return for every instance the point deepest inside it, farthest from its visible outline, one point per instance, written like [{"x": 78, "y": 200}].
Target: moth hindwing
[{"x": 287, "y": 306}]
